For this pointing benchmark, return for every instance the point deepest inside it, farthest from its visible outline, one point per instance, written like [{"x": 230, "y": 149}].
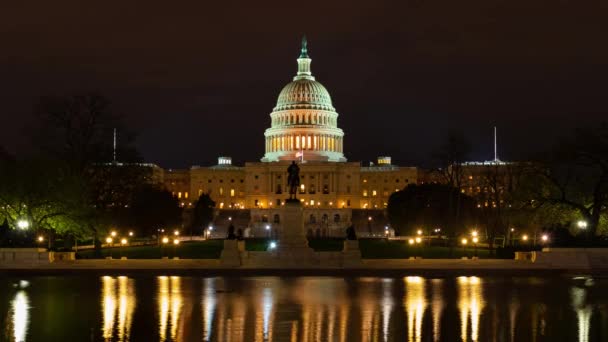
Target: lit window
[
  {"x": 373, "y": 192},
  {"x": 186, "y": 194},
  {"x": 231, "y": 192},
  {"x": 365, "y": 181},
  {"x": 179, "y": 194},
  {"x": 364, "y": 193},
  {"x": 200, "y": 192},
  {"x": 221, "y": 191},
  {"x": 312, "y": 202}
]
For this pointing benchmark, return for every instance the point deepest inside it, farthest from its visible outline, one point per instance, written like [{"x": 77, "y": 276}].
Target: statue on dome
[{"x": 293, "y": 179}]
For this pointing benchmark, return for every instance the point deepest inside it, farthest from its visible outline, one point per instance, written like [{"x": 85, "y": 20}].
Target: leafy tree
[
  {"x": 431, "y": 205},
  {"x": 202, "y": 214},
  {"x": 574, "y": 175},
  {"x": 153, "y": 208}
]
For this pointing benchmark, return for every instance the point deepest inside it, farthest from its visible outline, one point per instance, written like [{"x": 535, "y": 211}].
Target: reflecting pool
[{"x": 179, "y": 308}]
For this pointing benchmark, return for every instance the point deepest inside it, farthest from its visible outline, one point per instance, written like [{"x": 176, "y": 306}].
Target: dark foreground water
[{"x": 177, "y": 308}]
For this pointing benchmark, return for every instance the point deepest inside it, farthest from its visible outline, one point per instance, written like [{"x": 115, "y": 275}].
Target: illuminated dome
[
  {"x": 304, "y": 120},
  {"x": 304, "y": 94}
]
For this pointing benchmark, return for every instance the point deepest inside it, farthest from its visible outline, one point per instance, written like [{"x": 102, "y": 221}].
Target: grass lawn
[
  {"x": 394, "y": 249},
  {"x": 211, "y": 249}
]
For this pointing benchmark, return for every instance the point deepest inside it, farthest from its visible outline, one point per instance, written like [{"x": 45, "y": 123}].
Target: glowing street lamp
[
  {"x": 464, "y": 242},
  {"x": 525, "y": 237},
  {"x": 113, "y": 233},
  {"x": 474, "y": 233},
  {"x": 411, "y": 241},
  {"x": 544, "y": 238},
  {"x": 419, "y": 232},
  {"x": 123, "y": 243},
  {"x": 176, "y": 233},
  {"x": 582, "y": 224},
  {"x": 109, "y": 240},
  {"x": 131, "y": 233},
  {"x": 165, "y": 240},
  {"x": 175, "y": 244},
  {"x": 475, "y": 240},
  {"x": 23, "y": 224},
  {"x": 41, "y": 238},
  {"x": 418, "y": 240}
]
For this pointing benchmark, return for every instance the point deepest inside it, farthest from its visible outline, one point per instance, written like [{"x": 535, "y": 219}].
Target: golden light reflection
[
  {"x": 118, "y": 306},
  {"x": 583, "y": 312},
  {"x": 20, "y": 310},
  {"x": 170, "y": 302},
  {"x": 437, "y": 305},
  {"x": 415, "y": 305},
  {"x": 265, "y": 317},
  {"x": 470, "y": 304},
  {"x": 209, "y": 305},
  {"x": 387, "y": 306}
]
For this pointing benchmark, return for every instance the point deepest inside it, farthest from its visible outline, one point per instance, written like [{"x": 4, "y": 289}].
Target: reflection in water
[
  {"x": 471, "y": 304},
  {"x": 415, "y": 305},
  {"x": 437, "y": 305},
  {"x": 583, "y": 312},
  {"x": 20, "y": 307},
  {"x": 387, "y": 306},
  {"x": 513, "y": 307},
  {"x": 117, "y": 307},
  {"x": 209, "y": 303},
  {"x": 303, "y": 309},
  {"x": 170, "y": 302}
]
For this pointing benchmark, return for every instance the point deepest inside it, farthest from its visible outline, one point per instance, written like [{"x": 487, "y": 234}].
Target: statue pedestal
[
  {"x": 351, "y": 254},
  {"x": 230, "y": 256},
  {"x": 292, "y": 247}
]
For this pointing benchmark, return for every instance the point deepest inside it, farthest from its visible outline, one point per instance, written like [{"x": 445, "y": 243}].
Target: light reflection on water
[
  {"x": 173, "y": 308},
  {"x": 118, "y": 305}
]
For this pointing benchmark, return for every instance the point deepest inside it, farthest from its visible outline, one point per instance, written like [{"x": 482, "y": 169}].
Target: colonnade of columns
[{"x": 311, "y": 142}]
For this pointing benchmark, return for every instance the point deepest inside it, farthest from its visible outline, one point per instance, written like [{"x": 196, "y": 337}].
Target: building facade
[{"x": 303, "y": 128}]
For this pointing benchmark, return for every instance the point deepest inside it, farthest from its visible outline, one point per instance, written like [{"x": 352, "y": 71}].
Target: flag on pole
[{"x": 300, "y": 155}]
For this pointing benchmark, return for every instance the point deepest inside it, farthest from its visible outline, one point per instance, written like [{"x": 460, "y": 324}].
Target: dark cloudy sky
[{"x": 199, "y": 79}]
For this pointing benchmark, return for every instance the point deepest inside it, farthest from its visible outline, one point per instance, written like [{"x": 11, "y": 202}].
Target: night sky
[{"x": 197, "y": 80}]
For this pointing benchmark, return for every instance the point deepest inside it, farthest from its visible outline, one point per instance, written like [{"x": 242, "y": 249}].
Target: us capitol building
[{"x": 334, "y": 191}]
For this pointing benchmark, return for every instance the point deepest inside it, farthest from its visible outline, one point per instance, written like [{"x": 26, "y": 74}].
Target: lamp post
[
  {"x": 544, "y": 239},
  {"x": 475, "y": 240},
  {"x": 109, "y": 241},
  {"x": 525, "y": 238},
  {"x": 123, "y": 243},
  {"x": 175, "y": 244},
  {"x": 165, "y": 241},
  {"x": 464, "y": 242},
  {"x": 23, "y": 224},
  {"x": 268, "y": 231}
]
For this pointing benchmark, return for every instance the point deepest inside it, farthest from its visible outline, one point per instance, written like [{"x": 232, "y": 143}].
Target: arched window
[
  {"x": 325, "y": 218},
  {"x": 264, "y": 218},
  {"x": 337, "y": 218},
  {"x": 279, "y": 189},
  {"x": 276, "y": 218},
  {"x": 312, "y": 219}
]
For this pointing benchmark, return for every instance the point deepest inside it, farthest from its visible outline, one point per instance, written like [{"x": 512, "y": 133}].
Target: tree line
[
  {"x": 70, "y": 185},
  {"x": 563, "y": 190}
]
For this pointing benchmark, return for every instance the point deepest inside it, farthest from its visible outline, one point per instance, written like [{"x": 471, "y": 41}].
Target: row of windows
[
  {"x": 311, "y": 219},
  {"x": 386, "y": 180},
  {"x": 375, "y": 193}
]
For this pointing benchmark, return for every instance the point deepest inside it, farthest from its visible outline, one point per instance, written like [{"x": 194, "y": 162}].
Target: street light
[
  {"x": 175, "y": 244},
  {"x": 544, "y": 238},
  {"x": 474, "y": 233},
  {"x": 411, "y": 241},
  {"x": 525, "y": 237},
  {"x": 109, "y": 241},
  {"x": 582, "y": 224},
  {"x": 165, "y": 241},
  {"x": 40, "y": 238},
  {"x": 130, "y": 233},
  {"x": 113, "y": 234},
  {"x": 464, "y": 242},
  {"x": 475, "y": 240},
  {"x": 123, "y": 243},
  {"x": 23, "y": 224},
  {"x": 176, "y": 233},
  {"x": 419, "y": 232}
]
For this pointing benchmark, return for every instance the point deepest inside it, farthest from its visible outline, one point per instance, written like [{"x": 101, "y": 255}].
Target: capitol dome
[
  {"x": 304, "y": 123},
  {"x": 304, "y": 94}
]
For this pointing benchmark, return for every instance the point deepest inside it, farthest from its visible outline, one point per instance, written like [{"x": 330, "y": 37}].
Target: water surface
[{"x": 178, "y": 308}]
